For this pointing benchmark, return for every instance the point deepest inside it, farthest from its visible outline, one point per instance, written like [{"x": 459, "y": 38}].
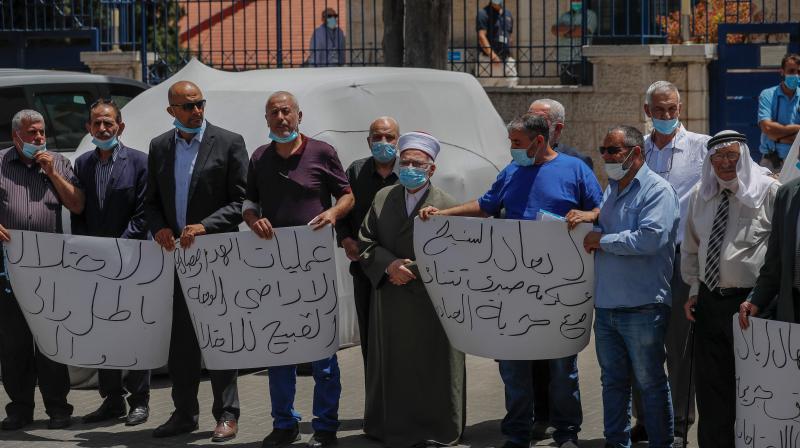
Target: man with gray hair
[
  {"x": 634, "y": 252},
  {"x": 677, "y": 155},
  {"x": 539, "y": 180},
  {"x": 556, "y": 116},
  {"x": 35, "y": 183}
]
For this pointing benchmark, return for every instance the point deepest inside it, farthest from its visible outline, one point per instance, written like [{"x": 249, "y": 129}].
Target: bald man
[
  {"x": 195, "y": 185},
  {"x": 367, "y": 176}
]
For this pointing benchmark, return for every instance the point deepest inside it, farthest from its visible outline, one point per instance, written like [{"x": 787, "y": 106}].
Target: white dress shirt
[
  {"x": 680, "y": 162},
  {"x": 412, "y": 199},
  {"x": 743, "y": 246}
]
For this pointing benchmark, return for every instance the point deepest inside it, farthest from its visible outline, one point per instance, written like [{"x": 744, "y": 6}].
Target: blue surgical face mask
[
  {"x": 289, "y": 138},
  {"x": 520, "y": 156},
  {"x": 791, "y": 81},
  {"x": 30, "y": 150},
  {"x": 383, "y": 152},
  {"x": 105, "y": 145},
  {"x": 330, "y": 22},
  {"x": 665, "y": 127},
  {"x": 412, "y": 178},
  {"x": 179, "y": 126},
  {"x": 576, "y": 6}
]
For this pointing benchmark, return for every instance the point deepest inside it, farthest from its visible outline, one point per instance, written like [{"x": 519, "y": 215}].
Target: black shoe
[
  {"x": 322, "y": 438},
  {"x": 13, "y": 423},
  {"x": 59, "y": 422},
  {"x": 542, "y": 430},
  {"x": 510, "y": 444},
  {"x": 110, "y": 409},
  {"x": 281, "y": 437},
  {"x": 638, "y": 434},
  {"x": 137, "y": 416},
  {"x": 176, "y": 425}
]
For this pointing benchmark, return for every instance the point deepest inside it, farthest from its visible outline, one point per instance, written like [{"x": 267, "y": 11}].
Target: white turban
[
  {"x": 421, "y": 141},
  {"x": 752, "y": 179}
]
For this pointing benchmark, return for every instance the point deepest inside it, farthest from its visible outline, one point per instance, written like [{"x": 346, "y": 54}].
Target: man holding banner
[
  {"x": 416, "y": 381},
  {"x": 114, "y": 177},
  {"x": 35, "y": 183},
  {"x": 290, "y": 183},
  {"x": 633, "y": 267},
  {"x": 195, "y": 185},
  {"x": 539, "y": 180}
]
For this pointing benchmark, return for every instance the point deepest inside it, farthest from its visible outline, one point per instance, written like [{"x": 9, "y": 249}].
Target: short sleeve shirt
[
  {"x": 569, "y": 48},
  {"x": 775, "y": 106},
  {"x": 498, "y": 26},
  {"x": 292, "y": 191},
  {"x": 557, "y": 186}
]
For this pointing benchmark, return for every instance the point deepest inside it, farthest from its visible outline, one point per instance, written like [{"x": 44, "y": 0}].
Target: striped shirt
[
  {"x": 102, "y": 173},
  {"x": 28, "y": 200}
]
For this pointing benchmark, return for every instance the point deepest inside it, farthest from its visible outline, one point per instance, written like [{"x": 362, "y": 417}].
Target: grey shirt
[{"x": 28, "y": 200}]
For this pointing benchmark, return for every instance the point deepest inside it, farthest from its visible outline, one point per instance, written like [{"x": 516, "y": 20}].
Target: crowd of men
[{"x": 688, "y": 231}]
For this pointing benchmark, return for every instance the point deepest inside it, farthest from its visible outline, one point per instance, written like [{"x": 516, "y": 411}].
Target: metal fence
[{"x": 543, "y": 39}]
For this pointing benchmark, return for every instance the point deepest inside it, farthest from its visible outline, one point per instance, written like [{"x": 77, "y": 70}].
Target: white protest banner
[
  {"x": 261, "y": 303},
  {"x": 767, "y": 358},
  {"x": 93, "y": 302},
  {"x": 508, "y": 289}
]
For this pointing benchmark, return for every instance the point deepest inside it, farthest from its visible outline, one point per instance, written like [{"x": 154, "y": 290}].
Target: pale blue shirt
[
  {"x": 775, "y": 106},
  {"x": 185, "y": 156},
  {"x": 680, "y": 162},
  {"x": 639, "y": 226}
]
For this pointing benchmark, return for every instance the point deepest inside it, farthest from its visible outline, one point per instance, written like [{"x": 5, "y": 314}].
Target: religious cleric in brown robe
[{"x": 416, "y": 381}]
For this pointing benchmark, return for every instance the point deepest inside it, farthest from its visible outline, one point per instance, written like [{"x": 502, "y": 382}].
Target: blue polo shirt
[
  {"x": 557, "y": 186},
  {"x": 775, "y": 106}
]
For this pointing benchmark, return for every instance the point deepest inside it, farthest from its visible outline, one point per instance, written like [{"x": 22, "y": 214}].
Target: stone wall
[{"x": 621, "y": 77}]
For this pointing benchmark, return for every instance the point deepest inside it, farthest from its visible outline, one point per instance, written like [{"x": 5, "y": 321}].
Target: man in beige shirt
[{"x": 727, "y": 227}]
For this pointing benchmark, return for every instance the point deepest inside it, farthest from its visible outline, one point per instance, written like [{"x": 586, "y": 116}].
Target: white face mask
[{"x": 615, "y": 171}]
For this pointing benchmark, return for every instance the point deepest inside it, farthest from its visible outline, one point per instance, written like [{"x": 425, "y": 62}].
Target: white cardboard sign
[
  {"x": 508, "y": 289},
  {"x": 93, "y": 302},
  {"x": 261, "y": 303}
]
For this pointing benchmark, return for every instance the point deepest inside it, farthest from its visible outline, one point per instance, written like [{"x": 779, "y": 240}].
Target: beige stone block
[
  {"x": 619, "y": 78},
  {"x": 677, "y": 74},
  {"x": 697, "y": 77},
  {"x": 657, "y": 71},
  {"x": 698, "y": 103},
  {"x": 699, "y": 126},
  {"x": 622, "y": 107}
]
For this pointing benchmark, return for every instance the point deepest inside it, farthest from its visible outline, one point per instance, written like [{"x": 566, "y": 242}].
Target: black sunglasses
[
  {"x": 612, "y": 150},
  {"x": 188, "y": 107}
]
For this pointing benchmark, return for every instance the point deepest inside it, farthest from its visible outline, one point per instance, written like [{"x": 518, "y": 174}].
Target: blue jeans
[
  {"x": 631, "y": 340},
  {"x": 327, "y": 390},
  {"x": 565, "y": 400}
]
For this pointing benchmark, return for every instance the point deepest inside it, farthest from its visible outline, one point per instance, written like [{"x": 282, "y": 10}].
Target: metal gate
[{"x": 749, "y": 59}]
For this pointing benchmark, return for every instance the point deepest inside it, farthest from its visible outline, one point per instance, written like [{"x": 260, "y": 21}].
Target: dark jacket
[
  {"x": 216, "y": 189},
  {"x": 123, "y": 212}
]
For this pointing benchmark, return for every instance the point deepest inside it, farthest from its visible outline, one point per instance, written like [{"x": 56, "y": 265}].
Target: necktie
[{"x": 715, "y": 242}]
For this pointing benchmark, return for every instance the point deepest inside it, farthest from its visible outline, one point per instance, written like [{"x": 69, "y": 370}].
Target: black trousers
[
  {"x": 715, "y": 368},
  {"x": 362, "y": 294},
  {"x": 184, "y": 369},
  {"x": 136, "y": 383},
  {"x": 21, "y": 364},
  {"x": 541, "y": 390}
]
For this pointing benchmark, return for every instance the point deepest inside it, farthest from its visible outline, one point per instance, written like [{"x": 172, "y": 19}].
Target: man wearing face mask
[
  {"x": 633, "y": 267},
  {"x": 727, "y": 230},
  {"x": 538, "y": 179},
  {"x": 367, "y": 176},
  {"x": 556, "y": 116},
  {"x": 327, "y": 43},
  {"x": 290, "y": 182},
  {"x": 779, "y": 114},
  {"x": 195, "y": 185},
  {"x": 495, "y": 65},
  {"x": 35, "y": 183},
  {"x": 416, "y": 381},
  {"x": 676, "y": 155},
  {"x": 569, "y": 31},
  {"x": 114, "y": 177}
]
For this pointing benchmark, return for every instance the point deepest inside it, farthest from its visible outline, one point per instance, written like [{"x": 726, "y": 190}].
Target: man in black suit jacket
[
  {"x": 778, "y": 284},
  {"x": 195, "y": 185},
  {"x": 114, "y": 178}
]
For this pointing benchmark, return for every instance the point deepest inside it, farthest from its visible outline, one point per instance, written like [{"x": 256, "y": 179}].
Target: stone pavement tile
[{"x": 485, "y": 401}]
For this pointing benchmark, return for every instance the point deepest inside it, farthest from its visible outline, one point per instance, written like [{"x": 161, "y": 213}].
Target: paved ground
[{"x": 485, "y": 409}]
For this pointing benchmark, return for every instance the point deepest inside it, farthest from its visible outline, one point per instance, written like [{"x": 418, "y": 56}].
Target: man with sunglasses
[
  {"x": 677, "y": 155},
  {"x": 327, "y": 43},
  {"x": 195, "y": 185},
  {"x": 634, "y": 253},
  {"x": 538, "y": 180},
  {"x": 114, "y": 177}
]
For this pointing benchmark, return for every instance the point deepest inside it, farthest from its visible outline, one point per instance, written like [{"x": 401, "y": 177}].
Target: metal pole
[
  {"x": 690, "y": 346},
  {"x": 278, "y": 32},
  {"x": 143, "y": 49},
  {"x": 686, "y": 13}
]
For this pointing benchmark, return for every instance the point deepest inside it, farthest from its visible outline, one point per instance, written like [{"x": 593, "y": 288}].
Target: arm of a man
[
  {"x": 153, "y": 208},
  {"x": 690, "y": 263},
  {"x": 137, "y": 226},
  {"x": 59, "y": 170},
  {"x": 375, "y": 259},
  {"x": 772, "y": 129},
  {"x": 344, "y": 225},
  {"x": 769, "y": 277},
  {"x": 656, "y": 219},
  {"x": 230, "y": 214}
]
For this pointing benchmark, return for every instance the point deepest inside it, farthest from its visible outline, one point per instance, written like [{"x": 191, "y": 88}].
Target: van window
[
  {"x": 12, "y": 100},
  {"x": 122, "y": 93},
  {"x": 66, "y": 114}
]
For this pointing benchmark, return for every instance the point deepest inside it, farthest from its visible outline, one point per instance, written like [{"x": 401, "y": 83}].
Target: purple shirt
[{"x": 292, "y": 191}]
